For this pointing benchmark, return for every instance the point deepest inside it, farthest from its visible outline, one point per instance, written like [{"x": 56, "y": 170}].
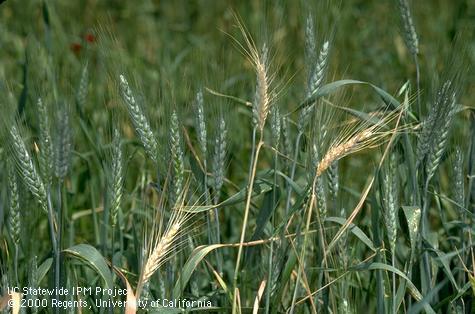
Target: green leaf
[
  {"x": 198, "y": 254},
  {"x": 43, "y": 269},
  {"x": 355, "y": 230},
  {"x": 413, "y": 218},
  {"x": 445, "y": 266},
  {"x": 412, "y": 288},
  {"x": 265, "y": 212},
  {"x": 164, "y": 310},
  {"x": 260, "y": 187},
  {"x": 91, "y": 257},
  {"x": 333, "y": 86}
]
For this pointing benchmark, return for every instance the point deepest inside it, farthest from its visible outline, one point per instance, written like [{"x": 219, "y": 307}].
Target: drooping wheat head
[
  {"x": 358, "y": 138},
  {"x": 162, "y": 245}
]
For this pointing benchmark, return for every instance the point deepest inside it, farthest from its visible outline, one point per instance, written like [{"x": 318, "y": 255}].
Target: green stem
[
  {"x": 425, "y": 274},
  {"x": 292, "y": 172},
  {"x": 271, "y": 253},
  {"x": 418, "y": 82},
  {"x": 393, "y": 263},
  {"x": 252, "y": 174},
  {"x": 15, "y": 265},
  {"x": 301, "y": 264}
]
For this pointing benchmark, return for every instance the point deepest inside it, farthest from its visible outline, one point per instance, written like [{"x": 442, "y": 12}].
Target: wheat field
[{"x": 237, "y": 156}]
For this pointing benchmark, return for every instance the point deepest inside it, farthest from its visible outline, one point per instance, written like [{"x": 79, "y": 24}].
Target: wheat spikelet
[
  {"x": 81, "y": 94},
  {"x": 276, "y": 125},
  {"x": 139, "y": 121},
  {"x": 321, "y": 197},
  {"x": 14, "y": 203},
  {"x": 46, "y": 155},
  {"x": 162, "y": 245},
  {"x": 264, "y": 95},
  {"x": 410, "y": 34},
  {"x": 333, "y": 180},
  {"x": 219, "y": 158},
  {"x": 200, "y": 124},
  {"x": 317, "y": 76},
  {"x": 27, "y": 169},
  {"x": 261, "y": 99},
  {"x": 339, "y": 151},
  {"x": 160, "y": 251},
  {"x": 363, "y": 137},
  {"x": 310, "y": 46},
  {"x": 319, "y": 184},
  {"x": 440, "y": 138},
  {"x": 390, "y": 200},
  {"x": 63, "y": 143},
  {"x": 176, "y": 154},
  {"x": 315, "y": 80},
  {"x": 117, "y": 179},
  {"x": 287, "y": 138},
  {"x": 459, "y": 189},
  {"x": 436, "y": 115}
]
